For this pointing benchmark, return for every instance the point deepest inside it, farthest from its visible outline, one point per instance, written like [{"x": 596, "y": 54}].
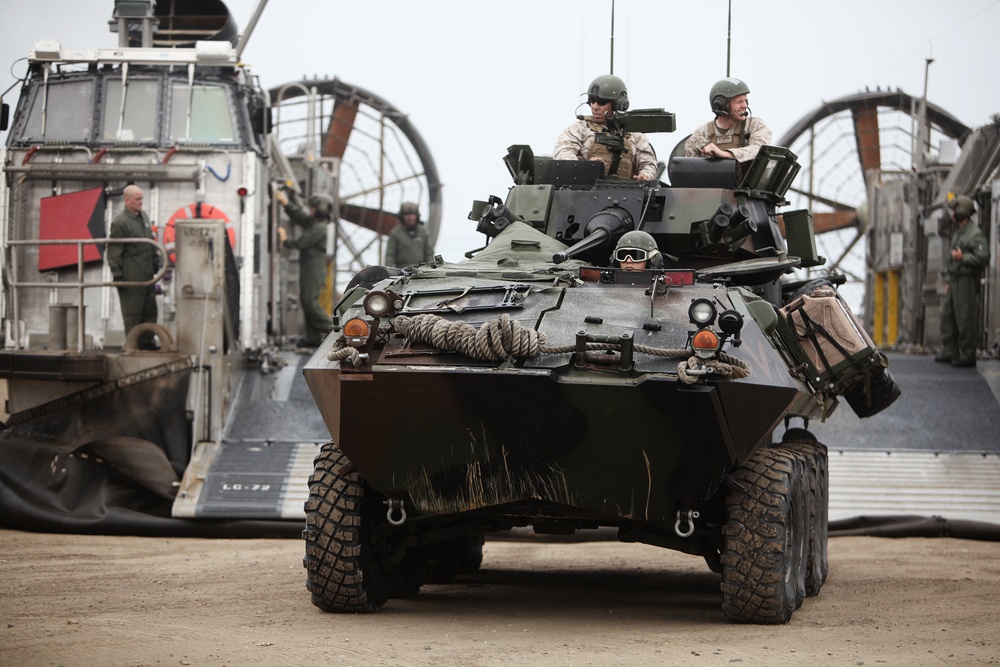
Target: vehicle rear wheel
[
  {"x": 765, "y": 538},
  {"x": 342, "y": 516},
  {"x": 817, "y": 562}
]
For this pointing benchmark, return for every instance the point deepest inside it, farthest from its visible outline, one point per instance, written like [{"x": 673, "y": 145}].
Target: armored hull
[{"x": 537, "y": 384}]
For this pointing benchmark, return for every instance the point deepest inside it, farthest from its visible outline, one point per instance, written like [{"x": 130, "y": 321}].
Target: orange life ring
[{"x": 207, "y": 212}]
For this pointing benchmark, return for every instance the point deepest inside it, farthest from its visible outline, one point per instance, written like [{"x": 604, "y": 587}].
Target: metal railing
[{"x": 80, "y": 285}]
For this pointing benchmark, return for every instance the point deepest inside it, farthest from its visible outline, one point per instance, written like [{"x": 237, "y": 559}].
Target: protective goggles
[
  {"x": 594, "y": 99},
  {"x": 631, "y": 255}
]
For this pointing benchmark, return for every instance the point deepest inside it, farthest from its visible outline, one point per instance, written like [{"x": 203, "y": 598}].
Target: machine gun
[{"x": 640, "y": 120}]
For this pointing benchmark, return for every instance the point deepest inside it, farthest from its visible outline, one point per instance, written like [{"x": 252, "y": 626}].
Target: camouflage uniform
[
  {"x": 134, "y": 262},
  {"x": 577, "y": 143},
  {"x": 960, "y": 310},
  {"x": 735, "y": 140},
  {"x": 311, "y": 245},
  {"x": 408, "y": 246}
]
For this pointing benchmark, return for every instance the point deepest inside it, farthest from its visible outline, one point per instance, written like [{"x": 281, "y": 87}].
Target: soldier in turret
[
  {"x": 970, "y": 253},
  {"x": 607, "y": 96},
  {"x": 637, "y": 251},
  {"x": 733, "y": 133}
]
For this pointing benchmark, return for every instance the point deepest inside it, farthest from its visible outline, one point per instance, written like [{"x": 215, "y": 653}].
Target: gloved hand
[
  {"x": 282, "y": 235},
  {"x": 281, "y": 197}
]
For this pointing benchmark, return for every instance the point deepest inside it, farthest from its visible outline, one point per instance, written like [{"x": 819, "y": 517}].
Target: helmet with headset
[
  {"x": 723, "y": 91},
  {"x": 610, "y": 87}
]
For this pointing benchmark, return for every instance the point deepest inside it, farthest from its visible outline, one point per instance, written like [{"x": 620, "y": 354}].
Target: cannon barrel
[{"x": 605, "y": 228}]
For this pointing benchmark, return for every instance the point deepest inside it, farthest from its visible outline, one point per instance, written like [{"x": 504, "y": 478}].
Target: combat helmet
[
  {"x": 409, "y": 207},
  {"x": 610, "y": 87},
  {"x": 637, "y": 246},
  {"x": 963, "y": 207},
  {"x": 322, "y": 204},
  {"x": 723, "y": 91}
]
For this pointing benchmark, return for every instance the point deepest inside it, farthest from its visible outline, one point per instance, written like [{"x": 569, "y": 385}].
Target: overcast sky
[{"x": 478, "y": 76}]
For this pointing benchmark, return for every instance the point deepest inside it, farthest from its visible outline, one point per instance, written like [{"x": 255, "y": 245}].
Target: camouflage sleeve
[
  {"x": 760, "y": 134},
  {"x": 572, "y": 143},
  {"x": 697, "y": 141},
  {"x": 645, "y": 156}
]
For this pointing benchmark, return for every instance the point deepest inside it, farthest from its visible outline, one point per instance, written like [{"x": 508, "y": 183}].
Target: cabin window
[
  {"x": 137, "y": 120},
  {"x": 211, "y": 119},
  {"x": 68, "y": 112}
]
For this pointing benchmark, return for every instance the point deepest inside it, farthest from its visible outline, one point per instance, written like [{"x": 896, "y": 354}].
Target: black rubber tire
[
  {"x": 797, "y": 434},
  {"x": 817, "y": 563},
  {"x": 444, "y": 562},
  {"x": 765, "y": 538},
  {"x": 472, "y": 551},
  {"x": 343, "y": 574},
  {"x": 883, "y": 392}
]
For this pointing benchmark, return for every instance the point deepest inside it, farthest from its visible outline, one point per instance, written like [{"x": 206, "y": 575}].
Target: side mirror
[{"x": 4, "y": 116}]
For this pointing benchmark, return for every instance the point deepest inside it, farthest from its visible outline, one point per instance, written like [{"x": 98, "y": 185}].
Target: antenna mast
[
  {"x": 729, "y": 36},
  {"x": 613, "y": 37}
]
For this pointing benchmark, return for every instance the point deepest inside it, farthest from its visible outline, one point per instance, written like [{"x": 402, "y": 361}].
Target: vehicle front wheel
[{"x": 343, "y": 517}]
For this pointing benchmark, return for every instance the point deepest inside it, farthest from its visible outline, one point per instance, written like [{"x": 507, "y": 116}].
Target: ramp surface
[
  {"x": 261, "y": 468},
  {"x": 934, "y": 452}
]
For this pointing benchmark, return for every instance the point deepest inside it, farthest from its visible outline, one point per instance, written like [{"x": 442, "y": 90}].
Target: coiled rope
[{"x": 504, "y": 337}]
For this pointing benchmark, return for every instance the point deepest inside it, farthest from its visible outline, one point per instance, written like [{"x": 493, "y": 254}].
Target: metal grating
[{"x": 951, "y": 485}]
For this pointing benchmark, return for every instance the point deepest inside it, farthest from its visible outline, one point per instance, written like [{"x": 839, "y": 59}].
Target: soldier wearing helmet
[
  {"x": 408, "y": 243},
  {"x": 636, "y": 251},
  {"x": 311, "y": 244},
  {"x": 606, "y": 96},
  {"x": 733, "y": 133},
  {"x": 969, "y": 255}
]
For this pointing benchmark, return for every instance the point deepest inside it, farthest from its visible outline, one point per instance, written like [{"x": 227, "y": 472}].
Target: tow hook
[
  {"x": 688, "y": 517},
  {"x": 397, "y": 504}
]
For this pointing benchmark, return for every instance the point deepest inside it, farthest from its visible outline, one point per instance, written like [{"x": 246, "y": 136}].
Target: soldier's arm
[
  {"x": 113, "y": 255},
  {"x": 570, "y": 144},
  {"x": 977, "y": 252},
  {"x": 645, "y": 157},
  {"x": 760, "y": 135},
  {"x": 297, "y": 215},
  {"x": 314, "y": 235},
  {"x": 697, "y": 141}
]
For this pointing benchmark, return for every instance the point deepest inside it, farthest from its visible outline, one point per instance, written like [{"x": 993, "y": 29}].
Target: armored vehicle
[{"x": 540, "y": 384}]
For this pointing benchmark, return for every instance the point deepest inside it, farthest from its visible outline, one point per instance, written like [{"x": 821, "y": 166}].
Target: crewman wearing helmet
[
  {"x": 311, "y": 245},
  {"x": 637, "y": 251},
  {"x": 733, "y": 133},
  {"x": 607, "y": 96},
  {"x": 409, "y": 242},
  {"x": 969, "y": 255}
]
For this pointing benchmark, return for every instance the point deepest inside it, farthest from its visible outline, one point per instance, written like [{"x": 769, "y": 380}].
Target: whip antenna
[
  {"x": 613, "y": 37},
  {"x": 729, "y": 36}
]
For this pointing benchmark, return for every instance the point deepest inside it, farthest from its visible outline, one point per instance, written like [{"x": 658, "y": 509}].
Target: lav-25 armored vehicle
[{"x": 537, "y": 385}]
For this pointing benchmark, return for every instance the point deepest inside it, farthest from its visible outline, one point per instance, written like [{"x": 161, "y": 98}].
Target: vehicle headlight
[{"x": 701, "y": 312}]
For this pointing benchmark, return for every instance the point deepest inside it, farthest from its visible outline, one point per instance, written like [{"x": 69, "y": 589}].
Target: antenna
[
  {"x": 612, "y": 71},
  {"x": 729, "y": 37}
]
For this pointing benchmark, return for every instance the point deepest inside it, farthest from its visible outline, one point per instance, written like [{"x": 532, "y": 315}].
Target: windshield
[
  {"x": 68, "y": 112},
  {"x": 138, "y": 122},
  {"x": 211, "y": 120}
]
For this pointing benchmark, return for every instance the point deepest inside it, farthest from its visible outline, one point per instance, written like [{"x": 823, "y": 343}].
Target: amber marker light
[
  {"x": 705, "y": 344},
  {"x": 356, "y": 332}
]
